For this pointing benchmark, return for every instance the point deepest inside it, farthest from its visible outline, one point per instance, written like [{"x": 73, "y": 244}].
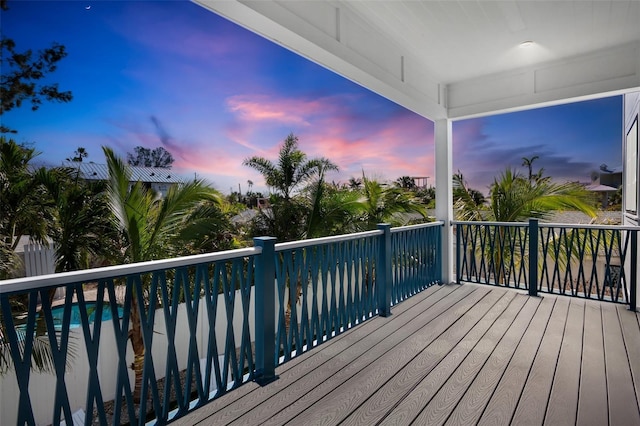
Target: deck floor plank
[
  {"x": 395, "y": 390},
  {"x": 458, "y": 355},
  {"x": 504, "y": 400},
  {"x": 563, "y": 401},
  {"x": 453, "y": 375},
  {"x": 630, "y": 326},
  {"x": 470, "y": 408},
  {"x": 236, "y": 403},
  {"x": 623, "y": 406},
  {"x": 535, "y": 395},
  {"x": 390, "y": 354},
  {"x": 303, "y": 391},
  {"x": 592, "y": 403}
]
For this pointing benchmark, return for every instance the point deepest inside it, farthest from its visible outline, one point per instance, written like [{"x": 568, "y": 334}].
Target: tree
[
  {"x": 22, "y": 73},
  {"x": 427, "y": 196},
  {"x": 145, "y": 157},
  {"x": 406, "y": 182},
  {"x": 467, "y": 202},
  {"x": 292, "y": 170},
  {"x": 83, "y": 233},
  {"x": 285, "y": 219},
  {"x": 528, "y": 162},
  {"x": 331, "y": 210},
  {"x": 153, "y": 229},
  {"x": 385, "y": 204},
  {"x": 515, "y": 198},
  {"x": 25, "y": 208},
  {"x": 78, "y": 155},
  {"x": 355, "y": 183}
]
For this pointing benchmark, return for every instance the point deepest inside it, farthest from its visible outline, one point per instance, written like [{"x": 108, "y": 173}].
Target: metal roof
[
  {"x": 601, "y": 188},
  {"x": 94, "y": 171}
]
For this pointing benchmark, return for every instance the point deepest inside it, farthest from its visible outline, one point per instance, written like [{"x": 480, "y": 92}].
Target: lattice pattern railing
[
  {"x": 416, "y": 259},
  {"x": 208, "y": 323},
  {"x": 588, "y": 261}
]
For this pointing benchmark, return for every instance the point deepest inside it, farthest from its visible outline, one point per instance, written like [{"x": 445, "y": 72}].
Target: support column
[
  {"x": 444, "y": 192},
  {"x": 265, "y": 306}
]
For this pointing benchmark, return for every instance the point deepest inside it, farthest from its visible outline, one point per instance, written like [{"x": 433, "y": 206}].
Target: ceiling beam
[
  {"x": 603, "y": 73},
  {"x": 334, "y": 36}
]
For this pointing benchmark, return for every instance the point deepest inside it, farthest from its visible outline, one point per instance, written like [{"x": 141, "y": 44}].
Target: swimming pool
[{"x": 58, "y": 312}]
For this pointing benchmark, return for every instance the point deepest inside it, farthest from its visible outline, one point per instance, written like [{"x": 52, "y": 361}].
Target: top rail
[
  {"x": 325, "y": 240},
  {"x": 483, "y": 223},
  {"x": 589, "y": 226},
  {"x": 548, "y": 225},
  {"x": 49, "y": 280},
  {"x": 418, "y": 226}
]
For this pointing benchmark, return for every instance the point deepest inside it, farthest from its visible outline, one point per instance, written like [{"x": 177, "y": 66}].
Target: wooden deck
[{"x": 458, "y": 354}]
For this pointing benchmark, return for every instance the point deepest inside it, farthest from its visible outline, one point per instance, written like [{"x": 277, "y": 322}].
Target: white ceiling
[
  {"x": 461, "y": 40},
  {"x": 454, "y": 58}
]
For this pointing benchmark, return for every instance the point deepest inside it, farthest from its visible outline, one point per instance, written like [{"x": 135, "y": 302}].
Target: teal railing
[
  {"x": 589, "y": 261},
  {"x": 416, "y": 259},
  {"x": 209, "y": 323}
]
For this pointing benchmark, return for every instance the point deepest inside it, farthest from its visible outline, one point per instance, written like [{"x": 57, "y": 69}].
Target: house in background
[
  {"x": 609, "y": 176},
  {"x": 155, "y": 178},
  {"x": 605, "y": 182}
]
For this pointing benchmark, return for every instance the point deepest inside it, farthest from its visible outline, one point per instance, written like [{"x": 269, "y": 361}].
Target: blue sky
[{"x": 171, "y": 73}]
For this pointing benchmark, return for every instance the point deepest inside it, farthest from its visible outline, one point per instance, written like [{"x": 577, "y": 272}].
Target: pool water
[{"x": 58, "y": 312}]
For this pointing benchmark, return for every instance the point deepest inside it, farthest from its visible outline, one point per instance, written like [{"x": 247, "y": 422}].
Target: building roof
[
  {"x": 613, "y": 170},
  {"x": 94, "y": 171},
  {"x": 601, "y": 188}
]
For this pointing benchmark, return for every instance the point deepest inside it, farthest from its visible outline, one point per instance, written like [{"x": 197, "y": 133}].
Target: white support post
[{"x": 444, "y": 192}]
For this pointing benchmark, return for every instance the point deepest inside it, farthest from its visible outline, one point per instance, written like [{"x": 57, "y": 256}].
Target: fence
[
  {"x": 207, "y": 323},
  {"x": 589, "y": 261}
]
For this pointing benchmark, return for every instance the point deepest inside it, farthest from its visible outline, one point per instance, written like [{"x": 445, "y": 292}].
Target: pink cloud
[{"x": 293, "y": 111}]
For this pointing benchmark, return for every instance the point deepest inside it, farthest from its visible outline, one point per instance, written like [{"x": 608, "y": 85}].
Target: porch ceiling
[{"x": 460, "y": 58}]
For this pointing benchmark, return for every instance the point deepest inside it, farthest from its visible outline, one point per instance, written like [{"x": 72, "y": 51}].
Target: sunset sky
[{"x": 172, "y": 74}]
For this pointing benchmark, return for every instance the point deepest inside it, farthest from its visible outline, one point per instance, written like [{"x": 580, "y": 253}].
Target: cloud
[
  {"x": 344, "y": 128},
  {"x": 258, "y": 108},
  {"x": 481, "y": 156}
]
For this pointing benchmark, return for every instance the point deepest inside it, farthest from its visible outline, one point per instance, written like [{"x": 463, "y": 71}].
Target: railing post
[
  {"x": 533, "y": 257},
  {"x": 458, "y": 250},
  {"x": 634, "y": 271},
  {"x": 265, "y": 308},
  {"x": 384, "y": 281}
]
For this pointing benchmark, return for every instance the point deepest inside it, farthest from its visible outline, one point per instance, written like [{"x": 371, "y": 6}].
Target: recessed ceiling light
[{"x": 527, "y": 43}]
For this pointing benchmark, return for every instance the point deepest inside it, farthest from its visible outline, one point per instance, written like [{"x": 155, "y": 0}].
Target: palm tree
[
  {"x": 354, "y": 183},
  {"x": 406, "y": 182},
  {"x": 25, "y": 209},
  {"x": 285, "y": 219},
  {"x": 515, "y": 198},
  {"x": 83, "y": 231},
  {"x": 78, "y": 155},
  {"x": 385, "y": 204},
  {"x": 292, "y": 170},
  {"x": 468, "y": 203},
  {"x": 153, "y": 228},
  {"x": 528, "y": 162},
  {"x": 331, "y": 210}
]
